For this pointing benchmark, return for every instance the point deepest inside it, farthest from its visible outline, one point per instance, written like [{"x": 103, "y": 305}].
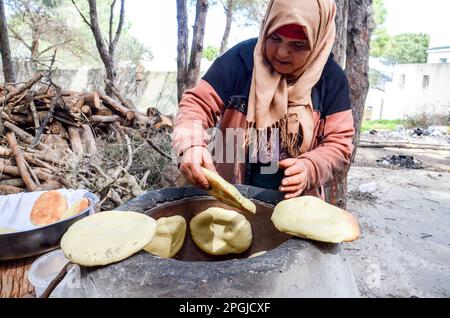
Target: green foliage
[
  {"x": 382, "y": 124},
  {"x": 380, "y": 37},
  {"x": 379, "y": 12},
  {"x": 380, "y": 41},
  {"x": 252, "y": 11},
  {"x": 407, "y": 48},
  {"x": 399, "y": 49},
  {"x": 61, "y": 27},
  {"x": 211, "y": 53}
]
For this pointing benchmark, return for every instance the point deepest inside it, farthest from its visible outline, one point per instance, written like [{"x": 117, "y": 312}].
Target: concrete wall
[
  {"x": 415, "y": 89},
  {"x": 374, "y": 104},
  {"x": 155, "y": 89}
]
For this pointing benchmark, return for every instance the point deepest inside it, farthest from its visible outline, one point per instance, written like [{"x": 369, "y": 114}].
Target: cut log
[
  {"x": 24, "y": 136},
  {"x": 96, "y": 119},
  {"x": 6, "y": 189},
  {"x": 20, "y": 162},
  {"x": 104, "y": 111},
  {"x": 72, "y": 103},
  {"x": 34, "y": 114},
  {"x": 50, "y": 185},
  {"x": 67, "y": 122},
  {"x": 93, "y": 100},
  {"x": 31, "y": 157},
  {"x": 89, "y": 140},
  {"x": 43, "y": 96},
  {"x": 40, "y": 173},
  {"x": 23, "y": 88},
  {"x": 86, "y": 110},
  {"x": 109, "y": 102},
  {"x": 122, "y": 99},
  {"x": 13, "y": 182},
  {"x": 55, "y": 128},
  {"x": 75, "y": 140},
  {"x": 164, "y": 121}
]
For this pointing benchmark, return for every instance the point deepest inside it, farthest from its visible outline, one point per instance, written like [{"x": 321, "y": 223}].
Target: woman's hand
[
  {"x": 296, "y": 179},
  {"x": 193, "y": 159}
]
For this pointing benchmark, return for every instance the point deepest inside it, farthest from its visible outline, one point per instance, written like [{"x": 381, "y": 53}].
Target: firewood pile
[{"x": 45, "y": 129}]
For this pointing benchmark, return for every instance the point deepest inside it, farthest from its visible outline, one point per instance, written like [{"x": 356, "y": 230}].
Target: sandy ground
[{"x": 404, "y": 250}]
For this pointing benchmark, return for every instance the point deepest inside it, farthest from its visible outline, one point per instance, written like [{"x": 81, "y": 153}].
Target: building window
[
  {"x": 402, "y": 81},
  {"x": 443, "y": 60},
  {"x": 425, "y": 81}
]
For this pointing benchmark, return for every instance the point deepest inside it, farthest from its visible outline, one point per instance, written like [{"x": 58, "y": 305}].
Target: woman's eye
[
  {"x": 275, "y": 38},
  {"x": 300, "y": 46}
]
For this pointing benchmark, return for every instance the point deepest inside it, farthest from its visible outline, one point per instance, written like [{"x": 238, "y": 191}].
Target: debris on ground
[
  {"x": 408, "y": 162},
  {"x": 361, "y": 196}
]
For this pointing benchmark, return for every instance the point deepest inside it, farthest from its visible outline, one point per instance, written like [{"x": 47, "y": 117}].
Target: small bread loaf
[
  {"x": 76, "y": 208},
  {"x": 48, "y": 208},
  {"x": 217, "y": 231}
]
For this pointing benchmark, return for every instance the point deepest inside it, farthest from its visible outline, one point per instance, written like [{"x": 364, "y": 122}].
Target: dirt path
[{"x": 405, "y": 246}]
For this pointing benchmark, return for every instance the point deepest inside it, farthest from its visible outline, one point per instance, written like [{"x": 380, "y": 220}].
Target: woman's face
[{"x": 286, "y": 55}]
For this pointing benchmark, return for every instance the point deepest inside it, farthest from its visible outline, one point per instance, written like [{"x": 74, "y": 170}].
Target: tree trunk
[
  {"x": 226, "y": 35},
  {"x": 197, "y": 43},
  {"x": 106, "y": 53},
  {"x": 359, "y": 31},
  {"x": 8, "y": 69},
  {"x": 360, "y": 28},
  {"x": 340, "y": 46},
  {"x": 35, "y": 39},
  {"x": 182, "y": 49}
]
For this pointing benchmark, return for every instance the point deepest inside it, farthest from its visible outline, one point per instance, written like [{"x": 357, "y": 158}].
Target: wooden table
[{"x": 14, "y": 278}]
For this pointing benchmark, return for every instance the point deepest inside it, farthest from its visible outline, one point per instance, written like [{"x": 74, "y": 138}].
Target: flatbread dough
[
  {"x": 6, "y": 231},
  {"x": 107, "y": 237},
  {"x": 48, "y": 208},
  {"x": 312, "y": 218},
  {"x": 169, "y": 237},
  {"x": 217, "y": 231},
  {"x": 227, "y": 193}
]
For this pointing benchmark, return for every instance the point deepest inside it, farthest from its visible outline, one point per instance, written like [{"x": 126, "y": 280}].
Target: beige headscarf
[{"x": 272, "y": 102}]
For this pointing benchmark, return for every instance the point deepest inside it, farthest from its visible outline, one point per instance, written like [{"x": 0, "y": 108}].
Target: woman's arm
[
  {"x": 333, "y": 153},
  {"x": 199, "y": 110}
]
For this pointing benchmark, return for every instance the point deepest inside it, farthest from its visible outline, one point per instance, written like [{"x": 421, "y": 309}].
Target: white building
[
  {"x": 439, "y": 55},
  {"x": 415, "y": 89}
]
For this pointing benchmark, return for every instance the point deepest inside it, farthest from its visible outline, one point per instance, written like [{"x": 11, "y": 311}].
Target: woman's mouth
[{"x": 282, "y": 62}]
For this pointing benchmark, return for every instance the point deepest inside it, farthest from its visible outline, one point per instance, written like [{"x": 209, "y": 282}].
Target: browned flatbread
[
  {"x": 48, "y": 208},
  {"x": 76, "y": 208}
]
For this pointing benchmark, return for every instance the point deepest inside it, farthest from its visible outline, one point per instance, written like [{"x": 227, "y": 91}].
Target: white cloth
[{"x": 15, "y": 209}]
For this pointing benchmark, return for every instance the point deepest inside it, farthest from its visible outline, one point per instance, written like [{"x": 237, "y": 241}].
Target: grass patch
[{"x": 382, "y": 124}]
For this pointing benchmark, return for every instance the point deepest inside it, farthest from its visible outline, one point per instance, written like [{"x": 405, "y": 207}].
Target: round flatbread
[
  {"x": 76, "y": 208},
  {"x": 169, "y": 237},
  {"x": 312, "y": 218},
  {"x": 227, "y": 193},
  {"x": 6, "y": 231},
  {"x": 107, "y": 237},
  {"x": 217, "y": 231},
  {"x": 48, "y": 208}
]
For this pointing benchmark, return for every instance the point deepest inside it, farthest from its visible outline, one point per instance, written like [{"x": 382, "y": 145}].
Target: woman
[{"x": 285, "y": 82}]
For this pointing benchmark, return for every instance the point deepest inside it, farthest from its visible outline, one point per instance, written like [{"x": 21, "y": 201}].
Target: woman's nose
[{"x": 282, "y": 51}]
